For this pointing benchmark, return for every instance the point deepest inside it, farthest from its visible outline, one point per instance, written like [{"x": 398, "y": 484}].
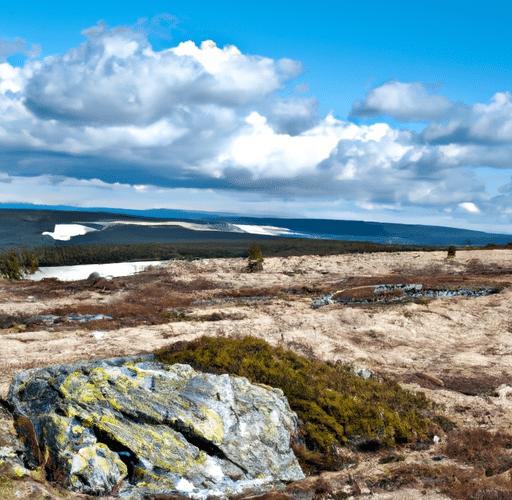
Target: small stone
[
  {"x": 363, "y": 373},
  {"x": 93, "y": 278},
  {"x": 31, "y": 298}
]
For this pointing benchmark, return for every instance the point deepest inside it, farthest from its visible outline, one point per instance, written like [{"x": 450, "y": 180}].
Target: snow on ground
[
  {"x": 70, "y": 273},
  {"x": 64, "y": 232},
  {"x": 267, "y": 230}
]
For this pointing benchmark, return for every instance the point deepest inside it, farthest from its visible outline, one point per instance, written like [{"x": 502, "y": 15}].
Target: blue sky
[{"x": 386, "y": 111}]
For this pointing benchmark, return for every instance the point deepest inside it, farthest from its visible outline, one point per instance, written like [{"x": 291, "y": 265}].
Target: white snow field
[{"x": 80, "y": 272}]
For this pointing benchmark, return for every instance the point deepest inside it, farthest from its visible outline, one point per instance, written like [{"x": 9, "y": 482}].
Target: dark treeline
[{"x": 107, "y": 253}]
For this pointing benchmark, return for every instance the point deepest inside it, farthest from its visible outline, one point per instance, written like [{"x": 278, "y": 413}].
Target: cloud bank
[{"x": 126, "y": 125}]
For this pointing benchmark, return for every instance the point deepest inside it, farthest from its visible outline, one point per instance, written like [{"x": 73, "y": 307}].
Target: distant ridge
[{"x": 23, "y": 225}]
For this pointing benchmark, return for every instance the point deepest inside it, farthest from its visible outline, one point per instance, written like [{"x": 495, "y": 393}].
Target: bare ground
[{"x": 457, "y": 350}]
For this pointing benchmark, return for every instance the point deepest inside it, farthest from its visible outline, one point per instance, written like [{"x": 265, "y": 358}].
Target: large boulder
[{"x": 133, "y": 427}]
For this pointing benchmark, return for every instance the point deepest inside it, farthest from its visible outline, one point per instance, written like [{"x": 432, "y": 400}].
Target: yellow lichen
[
  {"x": 18, "y": 471},
  {"x": 213, "y": 427},
  {"x": 138, "y": 372},
  {"x": 76, "y": 388},
  {"x": 77, "y": 429}
]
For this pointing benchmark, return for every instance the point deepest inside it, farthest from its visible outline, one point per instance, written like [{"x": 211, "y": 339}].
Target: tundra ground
[{"x": 457, "y": 350}]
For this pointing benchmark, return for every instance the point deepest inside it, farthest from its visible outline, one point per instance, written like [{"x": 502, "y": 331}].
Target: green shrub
[
  {"x": 255, "y": 259},
  {"x": 15, "y": 264},
  {"x": 451, "y": 251},
  {"x": 333, "y": 404}
]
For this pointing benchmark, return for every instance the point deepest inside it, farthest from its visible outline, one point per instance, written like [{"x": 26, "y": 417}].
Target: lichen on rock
[{"x": 134, "y": 426}]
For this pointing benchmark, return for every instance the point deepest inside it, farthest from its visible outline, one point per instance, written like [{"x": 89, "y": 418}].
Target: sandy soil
[{"x": 457, "y": 350}]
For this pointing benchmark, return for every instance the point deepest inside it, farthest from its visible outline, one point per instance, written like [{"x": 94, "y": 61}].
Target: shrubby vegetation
[
  {"x": 255, "y": 259},
  {"x": 67, "y": 255},
  {"x": 335, "y": 406},
  {"x": 15, "y": 264}
]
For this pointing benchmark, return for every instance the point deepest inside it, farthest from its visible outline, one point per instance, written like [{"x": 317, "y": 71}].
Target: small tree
[
  {"x": 255, "y": 259},
  {"x": 15, "y": 264},
  {"x": 451, "y": 252}
]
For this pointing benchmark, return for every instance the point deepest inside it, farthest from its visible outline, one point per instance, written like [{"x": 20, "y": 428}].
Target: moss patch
[{"x": 335, "y": 405}]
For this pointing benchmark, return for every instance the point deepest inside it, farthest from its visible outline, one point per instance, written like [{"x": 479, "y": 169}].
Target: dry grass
[
  {"x": 480, "y": 448},
  {"x": 457, "y": 482},
  {"x": 480, "y": 468}
]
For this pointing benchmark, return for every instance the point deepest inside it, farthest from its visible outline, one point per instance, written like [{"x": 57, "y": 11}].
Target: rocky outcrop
[
  {"x": 400, "y": 293},
  {"x": 133, "y": 427}
]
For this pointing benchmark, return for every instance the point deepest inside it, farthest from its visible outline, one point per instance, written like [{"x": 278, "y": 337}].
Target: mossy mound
[{"x": 335, "y": 405}]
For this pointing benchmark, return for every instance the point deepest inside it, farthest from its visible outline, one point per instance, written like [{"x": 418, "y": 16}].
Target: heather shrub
[{"x": 335, "y": 406}]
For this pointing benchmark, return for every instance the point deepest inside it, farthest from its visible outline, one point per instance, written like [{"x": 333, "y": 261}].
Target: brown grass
[
  {"x": 478, "y": 447},
  {"x": 483, "y": 469},
  {"x": 457, "y": 482}
]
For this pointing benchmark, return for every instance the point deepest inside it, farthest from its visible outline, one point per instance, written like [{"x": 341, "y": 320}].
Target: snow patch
[
  {"x": 81, "y": 272},
  {"x": 64, "y": 232}
]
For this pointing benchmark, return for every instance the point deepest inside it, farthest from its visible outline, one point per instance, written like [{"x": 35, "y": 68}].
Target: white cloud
[
  {"x": 485, "y": 124},
  {"x": 293, "y": 116},
  {"x": 116, "y": 77},
  {"x": 403, "y": 102},
  {"x": 469, "y": 207},
  {"x": 18, "y": 46}
]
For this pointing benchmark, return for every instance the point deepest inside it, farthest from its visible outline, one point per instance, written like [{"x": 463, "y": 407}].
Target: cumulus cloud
[
  {"x": 469, "y": 207},
  {"x": 115, "y": 77},
  {"x": 293, "y": 116},
  {"x": 114, "y": 115},
  {"x": 484, "y": 124},
  {"x": 403, "y": 102},
  {"x": 18, "y": 46}
]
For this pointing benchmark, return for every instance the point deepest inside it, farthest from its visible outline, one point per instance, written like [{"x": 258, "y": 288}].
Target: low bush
[
  {"x": 255, "y": 259},
  {"x": 335, "y": 406},
  {"x": 15, "y": 264}
]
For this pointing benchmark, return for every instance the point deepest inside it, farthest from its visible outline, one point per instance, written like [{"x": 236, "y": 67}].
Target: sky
[{"x": 387, "y": 111}]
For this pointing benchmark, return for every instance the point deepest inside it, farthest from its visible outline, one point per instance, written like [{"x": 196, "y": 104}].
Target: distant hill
[{"x": 24, "y": 227}]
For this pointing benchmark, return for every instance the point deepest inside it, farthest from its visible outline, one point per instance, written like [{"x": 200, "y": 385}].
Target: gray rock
[
  {"x": 93, "y": 278},
  {"x": 324, "y": 300},
  {"x": 140, "y": 427},
  {"x": 363, "y": 373}
]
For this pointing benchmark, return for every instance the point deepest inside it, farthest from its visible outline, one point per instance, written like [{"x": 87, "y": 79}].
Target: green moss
[{"x": 334, "y": 404}]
